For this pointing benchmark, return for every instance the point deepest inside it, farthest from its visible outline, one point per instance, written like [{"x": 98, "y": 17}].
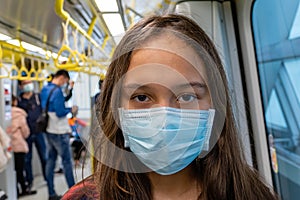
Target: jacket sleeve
[
  {"x": 4, "y": 138},
  {"x": 59, "y": 104},
  {"x": 68, "y": 97},
  {"x": 4, "y": 154},
  {"x": 24, "y": 128}
]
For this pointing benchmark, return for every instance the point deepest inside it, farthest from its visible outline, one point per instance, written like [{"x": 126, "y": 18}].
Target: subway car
[{"x": 259, "y": 44}]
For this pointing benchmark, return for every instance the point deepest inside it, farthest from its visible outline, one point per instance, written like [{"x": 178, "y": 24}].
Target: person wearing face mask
[
  {"x": 67, "y": 88},
  {"x": 18, "y": 132},
  {"x": 31, "y": 103},
  {"x": 167, "y": 126},
  {"x": 58, "y": 130}
]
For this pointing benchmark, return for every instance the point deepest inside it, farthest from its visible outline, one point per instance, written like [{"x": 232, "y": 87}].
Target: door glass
[{"x": 276, "y": 29}]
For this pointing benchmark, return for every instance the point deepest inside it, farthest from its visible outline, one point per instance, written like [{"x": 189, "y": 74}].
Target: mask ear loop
[{"x": 210, "y": 121}]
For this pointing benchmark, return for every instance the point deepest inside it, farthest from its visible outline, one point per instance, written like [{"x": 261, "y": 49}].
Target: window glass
[
  {"x": 293, "y": 71},
  {"x": 276, "y": 30},
  {"x": 274, "y": 115}
]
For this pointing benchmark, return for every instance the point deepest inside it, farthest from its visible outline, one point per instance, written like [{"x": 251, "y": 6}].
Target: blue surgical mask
[
  {"x": 29, "y": 87},
  {"x": 64, "y": 86},
  {"x": 165, "y": 139}
]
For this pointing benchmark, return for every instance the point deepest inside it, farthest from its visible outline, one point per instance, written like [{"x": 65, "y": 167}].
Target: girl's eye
[
  {"x": 186, "y": 98},
  {"x": 141, "y": 98}
]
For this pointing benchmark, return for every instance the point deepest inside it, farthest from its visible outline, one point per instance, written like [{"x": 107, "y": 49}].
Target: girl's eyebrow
[
  {"x": 191, "y": 84},
  {"x": 180, "y": 86},
  {"x": 132, "y": 86}
]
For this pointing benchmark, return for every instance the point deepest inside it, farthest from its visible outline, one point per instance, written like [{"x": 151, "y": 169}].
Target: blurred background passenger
[
  {"x": 18, "y": 132},
  {"x": 58, "y": 130},
  {"x": 96, "y": 97},
  {"x": 77, "y": 144},
  {"x": 31, "y": 103}
]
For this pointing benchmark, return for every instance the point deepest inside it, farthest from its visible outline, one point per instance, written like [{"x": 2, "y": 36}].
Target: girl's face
[{"x": 165, "y": 72}]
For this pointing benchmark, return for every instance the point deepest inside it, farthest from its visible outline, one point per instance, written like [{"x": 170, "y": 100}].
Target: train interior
[{"x": 258, "y": 40}]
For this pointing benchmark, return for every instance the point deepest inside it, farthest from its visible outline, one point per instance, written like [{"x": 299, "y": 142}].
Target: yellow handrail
[
  {"x": 13, "y": 68},
  {"x": 22, "y": 69},
  {"x": 6, "y": 74},
  {"x": 65, "y": 16},
  {"x": 1, "y": 53},
  {"x": 39, "y": 76},
  {"x": 105, "y": 41},
  {"x": 32, "y": 72},
  {"x": 77, "y": 61},
  {"x": 72, "y": 61},
  {"x": 2, "y": 66},
  {"x": 91, "y": 27},
  {"x": 14, "y": 72}
]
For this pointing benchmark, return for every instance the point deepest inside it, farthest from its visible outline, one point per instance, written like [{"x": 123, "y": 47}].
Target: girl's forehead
[
  {"x": 167, "y": 51},
  {"x": 162, "y": 67},
  {"x": 168, "y": 42}
]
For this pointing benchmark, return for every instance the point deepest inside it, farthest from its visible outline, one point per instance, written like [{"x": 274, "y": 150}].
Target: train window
[{"x": 276, "y": 29}]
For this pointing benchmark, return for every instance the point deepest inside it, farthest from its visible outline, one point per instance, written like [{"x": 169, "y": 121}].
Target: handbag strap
[{"x": 48, "y": 99}]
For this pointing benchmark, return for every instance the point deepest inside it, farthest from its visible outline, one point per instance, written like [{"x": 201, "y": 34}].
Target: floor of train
[{"x": 60, "y": 183}]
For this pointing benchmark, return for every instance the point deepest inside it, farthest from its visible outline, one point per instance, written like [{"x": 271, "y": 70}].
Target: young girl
[
  {"x": 18, "y": 132},
  {"x": 168, "y": 130}
]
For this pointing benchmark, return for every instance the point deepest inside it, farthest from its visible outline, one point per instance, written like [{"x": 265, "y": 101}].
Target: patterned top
[{"x": 84, "y": 190}]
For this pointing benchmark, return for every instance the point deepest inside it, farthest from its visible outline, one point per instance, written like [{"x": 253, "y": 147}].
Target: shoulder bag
[{"x": 42, "y": 120}]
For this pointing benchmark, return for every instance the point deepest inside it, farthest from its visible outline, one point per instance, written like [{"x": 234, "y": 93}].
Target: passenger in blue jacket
[{"x": 58, "y": 130}]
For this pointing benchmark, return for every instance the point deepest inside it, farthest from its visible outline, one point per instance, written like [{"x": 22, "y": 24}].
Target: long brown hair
[{"x": 223, "y": 173}]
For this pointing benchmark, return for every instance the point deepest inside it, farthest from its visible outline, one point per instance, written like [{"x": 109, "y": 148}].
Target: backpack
[{"x": 42, "y": 120}]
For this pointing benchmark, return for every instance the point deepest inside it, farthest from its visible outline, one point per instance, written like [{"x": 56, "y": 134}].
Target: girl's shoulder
[{"x": 84, "y": 190}]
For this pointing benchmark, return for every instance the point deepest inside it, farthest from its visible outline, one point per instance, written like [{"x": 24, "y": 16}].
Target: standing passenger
[
  {"x": 95, "y": 98},
  {"x": 18, "y": 132},
  {"x": 30, "y": 102},
  {"x": 58, "y": 130},
  {"x": 168, "y": 130}
]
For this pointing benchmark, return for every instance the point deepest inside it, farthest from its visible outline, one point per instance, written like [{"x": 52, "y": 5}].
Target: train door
[{"x": 276, "y": 31}]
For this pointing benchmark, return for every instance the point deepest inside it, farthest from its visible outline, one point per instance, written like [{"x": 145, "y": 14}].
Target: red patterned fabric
[{"x": 84, "y": 190}]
